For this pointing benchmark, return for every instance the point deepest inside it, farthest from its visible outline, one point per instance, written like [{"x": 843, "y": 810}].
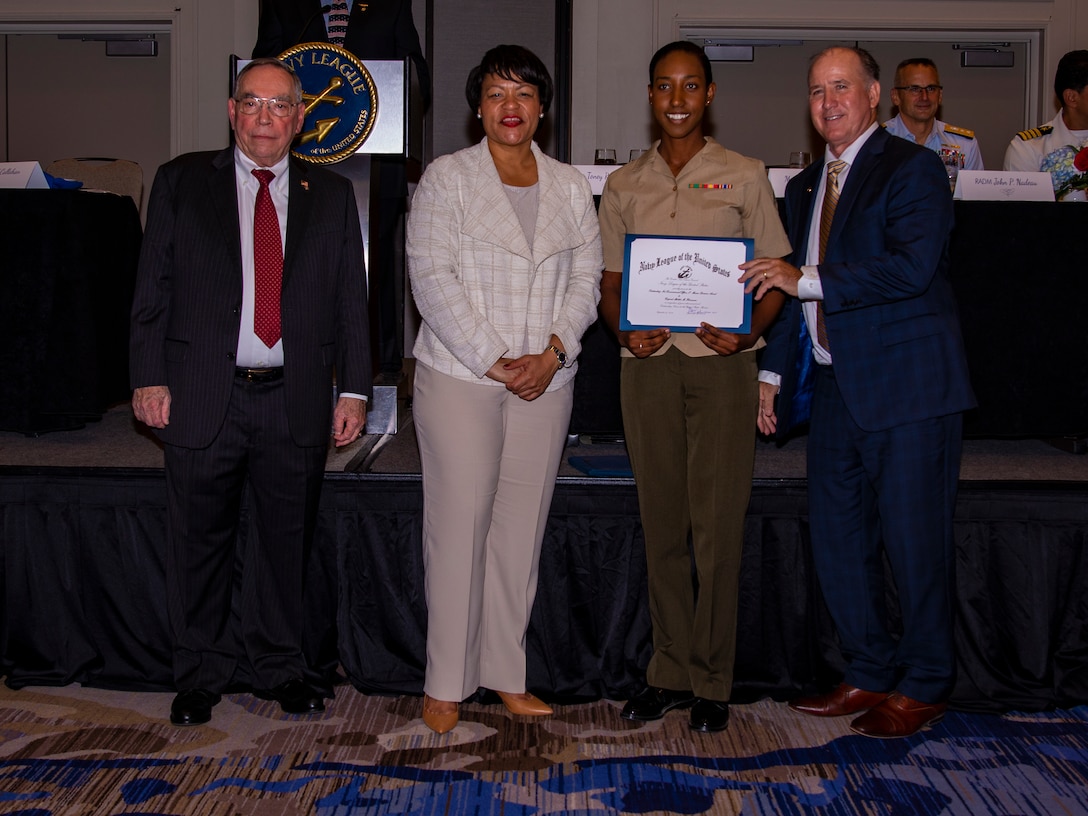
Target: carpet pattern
[{"x": 76, "y": 751}]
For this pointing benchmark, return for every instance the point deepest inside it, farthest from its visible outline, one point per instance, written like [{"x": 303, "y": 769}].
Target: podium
[{"x": 356, "y": 112}]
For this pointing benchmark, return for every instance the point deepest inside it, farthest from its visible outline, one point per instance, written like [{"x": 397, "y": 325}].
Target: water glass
[
  {"x": 800, "y": 158},
  {"x": 604, "y": 155}
]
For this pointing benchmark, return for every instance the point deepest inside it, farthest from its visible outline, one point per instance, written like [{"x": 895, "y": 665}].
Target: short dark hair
[
  {"x": 687, "y": 47},
  {"x": 275, "y": 63},
  {"x": 870, "y": 69},
  {"x": 1072, "y": 73},
  {"x": 925, "y": 62},
  {"x": 512, "y": 62}
]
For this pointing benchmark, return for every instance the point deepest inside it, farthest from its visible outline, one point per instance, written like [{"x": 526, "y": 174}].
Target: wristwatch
[{"x": 561, "y": 356}]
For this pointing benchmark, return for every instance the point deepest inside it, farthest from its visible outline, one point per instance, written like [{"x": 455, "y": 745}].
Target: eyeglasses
[
  {"x": 916, "y": 90},
  {"x": 249, "y": 105}
]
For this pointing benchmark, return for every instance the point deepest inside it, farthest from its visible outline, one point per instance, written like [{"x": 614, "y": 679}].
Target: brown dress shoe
[
  {"x": 525, "y": 704},
  {"x": 898, "y": 716},
  {"x": 439, "y": 715},
  {"x": 841, "y": 700}
]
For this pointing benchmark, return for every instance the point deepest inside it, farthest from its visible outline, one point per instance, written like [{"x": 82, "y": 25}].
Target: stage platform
[{"x": 81, "y": 572}]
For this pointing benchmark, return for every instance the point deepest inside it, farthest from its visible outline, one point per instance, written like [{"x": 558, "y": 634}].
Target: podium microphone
[{"x": 325, "y": 9}]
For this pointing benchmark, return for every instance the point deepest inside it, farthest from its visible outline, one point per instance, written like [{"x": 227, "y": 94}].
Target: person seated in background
[
  {"x": 1029, "y": 148},
  {"x": 917, "y": 93}
]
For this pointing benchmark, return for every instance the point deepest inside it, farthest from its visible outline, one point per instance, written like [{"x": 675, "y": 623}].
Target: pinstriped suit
[
  {"x": 186, "y": 316},
  {"x": 885, "y": 421}
]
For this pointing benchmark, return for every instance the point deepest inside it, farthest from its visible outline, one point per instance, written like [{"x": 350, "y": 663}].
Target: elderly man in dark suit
[
  {"x": 873, "y": 322},
  {"x": 250, "y": 294},
  {"x": 374, "y": 30}
]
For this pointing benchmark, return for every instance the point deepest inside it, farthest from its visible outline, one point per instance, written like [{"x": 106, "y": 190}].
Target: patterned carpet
[{"x": 77, "y": 751}]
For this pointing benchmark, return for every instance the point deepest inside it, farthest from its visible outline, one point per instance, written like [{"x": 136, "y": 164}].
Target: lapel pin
[{"x": 305, "y": 185}]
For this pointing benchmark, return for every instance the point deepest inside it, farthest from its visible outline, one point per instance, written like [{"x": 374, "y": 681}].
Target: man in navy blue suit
[{"x": 869, "y": 346}]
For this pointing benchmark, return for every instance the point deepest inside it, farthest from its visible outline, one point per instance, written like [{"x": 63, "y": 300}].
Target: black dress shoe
[
  {"x": 295, "y": 697},
  {"x": 709, "y": 715},
  {"x": 653, "y": 703},
  {"x": 193, "y": 707}
]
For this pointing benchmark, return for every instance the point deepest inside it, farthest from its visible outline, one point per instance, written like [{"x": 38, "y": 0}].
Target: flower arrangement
[{"x": 1068, "y": 168}]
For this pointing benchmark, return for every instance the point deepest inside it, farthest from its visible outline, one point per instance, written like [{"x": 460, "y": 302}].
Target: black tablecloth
[
  {"x": 1018, "y": 269},
  {"x": 1019, "y": 273},
  {"x": 66, "y": 283},
  {"x": 82, "y": 582}
]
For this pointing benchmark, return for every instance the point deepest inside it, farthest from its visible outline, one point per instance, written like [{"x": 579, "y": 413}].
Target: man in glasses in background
[
  {"x": 917, "y": 93},
  {"x": 250, "y": 291}
]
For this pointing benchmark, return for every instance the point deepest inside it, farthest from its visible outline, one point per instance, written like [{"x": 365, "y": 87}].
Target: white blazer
[{"x": 482, "y": 291}]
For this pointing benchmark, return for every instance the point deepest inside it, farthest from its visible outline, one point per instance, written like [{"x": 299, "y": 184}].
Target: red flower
[{"x": 1080, "y": 161}]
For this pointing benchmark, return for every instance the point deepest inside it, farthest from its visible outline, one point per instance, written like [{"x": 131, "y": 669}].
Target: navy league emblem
[{"x": 340, "y": 98}]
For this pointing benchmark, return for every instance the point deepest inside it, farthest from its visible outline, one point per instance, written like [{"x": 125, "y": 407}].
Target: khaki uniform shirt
[{"x": 644, "y": 197}]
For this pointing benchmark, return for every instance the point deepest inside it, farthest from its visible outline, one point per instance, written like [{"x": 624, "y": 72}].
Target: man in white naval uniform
[{"x": 1028, "y": 148}]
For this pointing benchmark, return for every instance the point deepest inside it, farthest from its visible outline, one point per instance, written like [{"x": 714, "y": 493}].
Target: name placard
[
  {"x": 780, "y": 176},
  {"x": 25, "y": 175},
  {"x": 596, "y": 174},
  {"x": 1003, "y": 185}
]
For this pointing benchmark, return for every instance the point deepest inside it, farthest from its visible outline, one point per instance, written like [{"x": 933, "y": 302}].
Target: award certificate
[{"x": 678, "y": 282}]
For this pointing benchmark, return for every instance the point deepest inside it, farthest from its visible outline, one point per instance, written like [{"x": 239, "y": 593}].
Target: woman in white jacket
[{"x": 504, "y": 256}]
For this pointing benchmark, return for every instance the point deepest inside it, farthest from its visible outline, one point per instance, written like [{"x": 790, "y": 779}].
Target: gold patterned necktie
[
  {"x": 827, "y": 215},
  {"x": 338, "y": 22},
  {"x": 267, "y": 263}
]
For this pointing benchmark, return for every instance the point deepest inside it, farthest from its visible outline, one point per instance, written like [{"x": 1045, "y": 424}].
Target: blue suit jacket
[
  {"x": 187, "y": 307},
  {"x": 892, "y": 321}
]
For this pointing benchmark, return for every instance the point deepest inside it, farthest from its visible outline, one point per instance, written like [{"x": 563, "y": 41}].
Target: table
[
  {"x": 1019, "y": 272},
  {"x": 1018, "y": 269},
  {"x": 66, "y": 285}
]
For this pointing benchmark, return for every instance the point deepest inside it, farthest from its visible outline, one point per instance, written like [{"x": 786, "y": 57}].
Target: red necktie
[
  {"x": 267, "y": 263},
  {"x": 831, "y": 200}
]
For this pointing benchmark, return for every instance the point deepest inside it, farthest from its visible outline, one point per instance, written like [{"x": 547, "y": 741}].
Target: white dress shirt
[
  {"x": 252, "y": 352},
  {"x": 809, "y": 287}
]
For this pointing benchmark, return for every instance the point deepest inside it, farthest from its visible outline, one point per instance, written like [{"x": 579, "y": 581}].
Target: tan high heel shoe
[
  {"x": 440, "y": 715},
  {"x": 525, "y": 704}
]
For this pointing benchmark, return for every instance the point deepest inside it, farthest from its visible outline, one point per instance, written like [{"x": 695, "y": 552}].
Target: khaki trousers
[
  {"x": 489, "y": 463},
  {"x": 690, "y": 429}
]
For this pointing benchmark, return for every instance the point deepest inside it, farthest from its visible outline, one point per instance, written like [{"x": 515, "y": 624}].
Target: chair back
[{"x": 119, "y": 176}]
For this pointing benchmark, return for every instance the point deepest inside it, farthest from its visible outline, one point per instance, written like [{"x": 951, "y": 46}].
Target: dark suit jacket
[
  {"x": 385, "y": 31},
  {"x": 186, "y": 311},
  {"x": 892, "y": 321}
]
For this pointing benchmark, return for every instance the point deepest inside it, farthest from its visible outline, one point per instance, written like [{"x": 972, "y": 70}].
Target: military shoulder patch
[
  {"x": 1035, "y": 133},
  {"x": 964, "y": 132}
]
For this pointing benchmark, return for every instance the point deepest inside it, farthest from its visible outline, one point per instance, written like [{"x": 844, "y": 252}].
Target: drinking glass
[
  {"x": 635, "y": 153},
  {"x": 800, "y": 158},
  {"x": 604, "y": 155}
]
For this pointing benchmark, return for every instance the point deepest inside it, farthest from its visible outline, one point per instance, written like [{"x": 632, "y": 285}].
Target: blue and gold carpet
[{"x": 76, "y": 752}]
